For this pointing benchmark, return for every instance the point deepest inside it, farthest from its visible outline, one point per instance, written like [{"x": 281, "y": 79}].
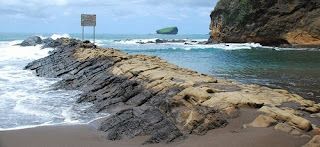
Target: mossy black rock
[{"x": 170, "y": 31}]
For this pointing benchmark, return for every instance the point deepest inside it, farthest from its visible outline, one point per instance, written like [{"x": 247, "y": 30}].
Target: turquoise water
[
  {"x": 27, "y": 100},
  {"x": 296, "y": 71}
]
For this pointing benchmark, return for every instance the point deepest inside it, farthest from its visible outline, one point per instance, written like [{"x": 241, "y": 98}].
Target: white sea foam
[
  {"x": 70, "y": 116},
  {"x": 56, "y": 36},
  {"x": 29, "y": 101},
  {"x": 136, "y": 41},
  {"x": 12, "y": 52},
  {"x": 99, "y": 42},
  {"x": 187, "y": 45},
  {"x": 234, "y": 46}
]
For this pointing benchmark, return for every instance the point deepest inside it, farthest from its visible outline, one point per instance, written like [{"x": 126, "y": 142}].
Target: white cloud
[{"x": 48, "y": 9}]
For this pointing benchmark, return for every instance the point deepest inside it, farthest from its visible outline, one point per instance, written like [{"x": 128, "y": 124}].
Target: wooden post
[
  {"x": 94, "y": 34},
  {"x": 82, "y": 33},
  {"x": 89, "y": 20}
]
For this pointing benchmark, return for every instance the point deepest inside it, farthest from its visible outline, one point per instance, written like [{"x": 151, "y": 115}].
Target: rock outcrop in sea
[
  {"x": 147, "y": 96},
  {"x": 31, "y": 41},
  {"x": 293, "y": 23},
  {"x": 168, "y": 31},
  {"x": 158, "y": 41}
]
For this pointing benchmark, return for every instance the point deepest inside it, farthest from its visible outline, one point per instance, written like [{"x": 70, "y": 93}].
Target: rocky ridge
[
  {"x": 284, "y": 23},
  {"x": 149, "y": 96}
]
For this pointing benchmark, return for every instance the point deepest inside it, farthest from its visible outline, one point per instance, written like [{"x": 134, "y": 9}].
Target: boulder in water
[{"x": 32, "y": 41}]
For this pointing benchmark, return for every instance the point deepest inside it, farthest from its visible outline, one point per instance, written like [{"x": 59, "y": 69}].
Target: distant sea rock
[
  {"x": 46, "y": 43},
  {"x": 282, "y": 23},
  {"x": 32, "y": 41},
  {"x": 169, "y": 31}
]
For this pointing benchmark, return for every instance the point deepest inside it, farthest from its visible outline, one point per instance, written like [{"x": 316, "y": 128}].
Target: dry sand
[{"x": 87, "y": 136}]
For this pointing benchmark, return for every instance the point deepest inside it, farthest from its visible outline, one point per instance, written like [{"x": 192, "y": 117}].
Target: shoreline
[
  {"x": 154, "y": 101},
  {"x": 86, "y": 135},
  {"x": 92, "y": 123}
]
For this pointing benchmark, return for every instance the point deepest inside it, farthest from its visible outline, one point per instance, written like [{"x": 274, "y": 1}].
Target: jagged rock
[
  {"x": 31, "y": 41},
  {"x": 285, "y": 116},
  {"x": 87, "y": 44},
  {"x": 129, "y": 123},
  {"x": 313, "y": 109},
  {"x": 317, "y": 115},
  {"x": 50, "y": 43},
  {"x": 110, "y": 78},
  {"x": 314, "y": 142},
  {"x": 199, "y": 120},
  {"x": 152, "y": 89},
  {"x": 47, "y": 40},
  {"x": 263, "y": 121},
  {"x": 203, "y": 42},
  {"x": 301, "y": 123},
  {"x": 274, "y": 23},
  {"x": 150, "y": 42},
  {"x": 160, "y": 41},
  {"x": 292, "y": 111},
  {"x": 231, "y": 111},
  {"x": 283, "y": 127},
  {"x": 169, "y": 41},
  {"x": 296, "y": 132}
]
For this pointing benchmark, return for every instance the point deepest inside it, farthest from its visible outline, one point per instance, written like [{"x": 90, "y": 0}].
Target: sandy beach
[
  {"x": 154, "y": 103},
  {"x": 88, "y": 136},
  {"x": 225, "y": 73}
]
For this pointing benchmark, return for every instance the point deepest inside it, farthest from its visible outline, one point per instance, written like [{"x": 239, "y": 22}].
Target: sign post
[{"x": 88, "y": 20}]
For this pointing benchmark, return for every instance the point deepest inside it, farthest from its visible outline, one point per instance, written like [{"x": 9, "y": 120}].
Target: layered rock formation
[
  {"x": 287, "y": 23},
  {"x": 148, "y": 96}
]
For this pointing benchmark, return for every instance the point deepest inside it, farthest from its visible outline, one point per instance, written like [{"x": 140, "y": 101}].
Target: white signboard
[{"x": 88, "y": 20}]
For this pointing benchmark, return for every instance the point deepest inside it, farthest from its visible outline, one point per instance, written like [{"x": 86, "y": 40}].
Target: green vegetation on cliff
[
  {"x": 169, "y": 30},
  {"x": 268, "y": 22}
]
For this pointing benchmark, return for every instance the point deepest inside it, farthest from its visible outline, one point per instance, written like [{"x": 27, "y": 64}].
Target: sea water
[{"x": 27, "y": 100}]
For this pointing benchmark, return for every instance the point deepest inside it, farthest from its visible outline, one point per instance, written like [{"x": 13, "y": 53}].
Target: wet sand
[{"x": 88, "y": 136}]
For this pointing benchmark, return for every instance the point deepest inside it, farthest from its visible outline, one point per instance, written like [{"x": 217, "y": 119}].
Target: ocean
[{"x": 29, "y": 101}]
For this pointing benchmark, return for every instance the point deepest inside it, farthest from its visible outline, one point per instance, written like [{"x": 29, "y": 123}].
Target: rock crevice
[
  {"x": 149, "y": 96},
  {"x": 268, "y": 22}
]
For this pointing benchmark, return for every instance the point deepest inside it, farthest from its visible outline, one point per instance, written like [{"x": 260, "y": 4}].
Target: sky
[{"x": 113, "y": 16}]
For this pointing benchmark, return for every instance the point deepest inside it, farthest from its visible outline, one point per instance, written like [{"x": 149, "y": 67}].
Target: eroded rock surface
[
  {"x": 149, "y": 96},
  {"x": 285, "y": 23},
  {"x": 263, "y": 121},
  {"x": 314, "y": 142}
]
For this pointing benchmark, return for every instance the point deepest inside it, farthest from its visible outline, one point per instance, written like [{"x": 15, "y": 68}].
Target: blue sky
[{"x": 113, "y": 16}]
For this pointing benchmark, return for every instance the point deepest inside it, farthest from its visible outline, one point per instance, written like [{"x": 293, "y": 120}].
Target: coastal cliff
[
  {"x": 147, "y": 96},
  {"x": 285, "y": 23}
]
